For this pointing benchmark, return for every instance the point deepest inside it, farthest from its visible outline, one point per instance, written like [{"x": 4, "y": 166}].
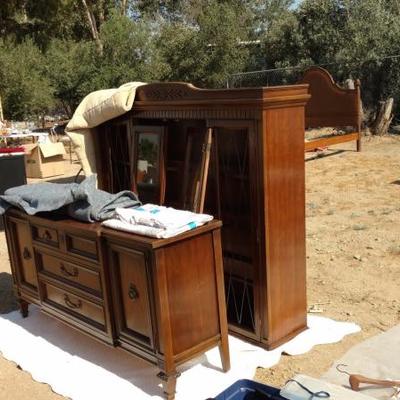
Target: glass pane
[
  {"x": 119, "y": 158},
  {"x": 148, "y": 167},
  {"x": 229, "y": 198}
]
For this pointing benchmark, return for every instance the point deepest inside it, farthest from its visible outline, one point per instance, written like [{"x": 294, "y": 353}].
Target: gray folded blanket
[{"x": 82, "y": 201}]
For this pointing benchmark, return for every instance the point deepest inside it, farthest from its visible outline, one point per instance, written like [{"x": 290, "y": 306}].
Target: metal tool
[
  {"x": 355, "y": 380},
  {"x": 321, "y": 394}
]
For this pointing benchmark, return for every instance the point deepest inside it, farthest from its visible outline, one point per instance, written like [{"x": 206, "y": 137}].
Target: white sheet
[{"x": 101, "y": 372}]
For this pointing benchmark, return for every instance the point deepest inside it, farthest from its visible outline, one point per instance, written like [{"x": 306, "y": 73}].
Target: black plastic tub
[
  {"x": 246, "y": 389},
  {"x": 12, "y": 172}
]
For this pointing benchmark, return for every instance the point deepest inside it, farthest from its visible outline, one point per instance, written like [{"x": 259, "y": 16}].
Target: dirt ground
[{"x": 353, "y": 258}]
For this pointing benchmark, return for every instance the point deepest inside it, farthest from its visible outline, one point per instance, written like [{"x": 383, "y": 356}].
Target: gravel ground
[{"x": 353, "y": 254}]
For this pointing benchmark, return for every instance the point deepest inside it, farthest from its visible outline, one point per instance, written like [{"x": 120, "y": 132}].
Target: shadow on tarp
[
  {"x": 8, "y": 301},
  {"x": 140, "y": 374},
  {"x": 67, "y": 179}
]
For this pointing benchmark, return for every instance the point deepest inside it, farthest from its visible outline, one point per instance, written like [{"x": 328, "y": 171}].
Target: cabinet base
[{"x": 269, "y": 345}]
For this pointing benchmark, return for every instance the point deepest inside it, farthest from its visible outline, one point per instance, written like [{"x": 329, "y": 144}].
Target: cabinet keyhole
[{"x": 133, "y": 293}]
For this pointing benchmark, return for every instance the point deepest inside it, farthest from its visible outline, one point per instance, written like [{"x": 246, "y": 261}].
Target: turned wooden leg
[
  {"x": 224, "y": 354},
  {"x": 168, "y": 384},
  {"x": 23, "y": 307},
  {"x": 223, "y": 322}
]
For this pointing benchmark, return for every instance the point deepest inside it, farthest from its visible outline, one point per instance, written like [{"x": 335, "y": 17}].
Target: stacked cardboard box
[{"x": 44, "y": 160}]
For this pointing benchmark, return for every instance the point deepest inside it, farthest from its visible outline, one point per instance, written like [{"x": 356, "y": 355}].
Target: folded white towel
[
  {"x": 156, "y": 221},
  {"x": 160, "y": 217}
]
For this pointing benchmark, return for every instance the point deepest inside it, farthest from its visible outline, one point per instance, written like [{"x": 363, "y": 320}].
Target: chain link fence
[{"x": 380, "y": 79}]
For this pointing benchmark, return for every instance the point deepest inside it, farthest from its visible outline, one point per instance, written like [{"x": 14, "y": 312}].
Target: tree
[
  {"x": 25, "y": 90},
  {"x": 129, "y": 52},
  {"x": 210, "y": 48},
  {"x": 351, "y": 38},
  {"x": 40, "y": 20},
  {"x": 70, "y": 67}
]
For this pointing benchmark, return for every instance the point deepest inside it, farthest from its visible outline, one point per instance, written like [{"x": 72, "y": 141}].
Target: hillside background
[{"x": 54, "y": 52}]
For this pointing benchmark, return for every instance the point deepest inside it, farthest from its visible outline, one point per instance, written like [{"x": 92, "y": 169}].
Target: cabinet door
[
  {"x": 130, "y": 278},
  {"x": 23, "y": 255},
  {"x": 232, "y": 197},
  {"x": 116, "y": 150},
  {"x": 149, "y": 163}
]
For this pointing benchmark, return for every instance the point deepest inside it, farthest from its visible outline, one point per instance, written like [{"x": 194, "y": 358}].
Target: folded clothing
[{"x": 156, "y": 221}]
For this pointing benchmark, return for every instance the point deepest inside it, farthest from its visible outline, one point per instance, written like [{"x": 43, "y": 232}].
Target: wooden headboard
[{"x": 331, "y": 105}]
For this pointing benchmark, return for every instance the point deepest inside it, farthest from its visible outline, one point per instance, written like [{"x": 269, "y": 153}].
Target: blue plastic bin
[{"x": 246, "y": 389}]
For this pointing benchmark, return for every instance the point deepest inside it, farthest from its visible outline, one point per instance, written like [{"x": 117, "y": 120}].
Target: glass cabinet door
[
  {"x": 149, "y": 164},
  {"x": 116, "y": 150}
]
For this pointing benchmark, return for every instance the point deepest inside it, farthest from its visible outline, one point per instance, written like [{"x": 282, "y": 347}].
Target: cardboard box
[{"x": 44, "y": 160}]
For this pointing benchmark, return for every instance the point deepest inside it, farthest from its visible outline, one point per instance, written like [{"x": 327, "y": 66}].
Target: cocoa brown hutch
[{"x": 237, "y": 154}]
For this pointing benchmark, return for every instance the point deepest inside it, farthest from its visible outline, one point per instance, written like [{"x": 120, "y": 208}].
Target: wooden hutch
[{"x": 237, "y": 154}]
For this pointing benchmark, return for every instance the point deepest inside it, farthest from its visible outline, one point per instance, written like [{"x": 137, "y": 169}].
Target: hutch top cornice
[{"x": 178, "y": 95}]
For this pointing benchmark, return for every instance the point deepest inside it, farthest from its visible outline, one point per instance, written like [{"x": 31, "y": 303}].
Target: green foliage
[
  {"x": 25, "y": 89},
  {"x": 70, "y": 67},
  {"x": 129, "y": 53},
  {"x": 350, "y": 37},
  {"x": 207, "y": 51},
  {"x": 72, "y": 47},
  {"x": 41, "y": 21}
]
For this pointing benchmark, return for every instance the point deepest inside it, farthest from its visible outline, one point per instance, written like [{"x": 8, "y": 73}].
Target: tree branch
[
  {"x": 93, "y": 26},
  {"x": 124, "y": 7}
]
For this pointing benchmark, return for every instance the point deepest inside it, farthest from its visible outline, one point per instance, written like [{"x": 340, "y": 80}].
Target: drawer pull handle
[
  {"x": 133, "y": 293},
  {"x": 70, "y": 304},
  {"x": 26, "y": 254},
  {"x": 46, "y": 235},
  {"x": 69, "y": 274}
]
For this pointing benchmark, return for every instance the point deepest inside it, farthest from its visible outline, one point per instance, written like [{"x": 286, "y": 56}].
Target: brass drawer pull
[
  {"x": 69, "y": 274},
  {"x": 26, "y": 254},
  {"x": 133, "y": 293},
  {"x": 70, "y": 304}
]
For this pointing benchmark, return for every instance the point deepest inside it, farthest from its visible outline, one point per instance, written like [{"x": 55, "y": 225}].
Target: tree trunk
[
  {"x": 350, "y": 84},
  {"x": 124, "y": 7},
  {"x": 384, "y": 118},
  {"x": 93, "y": 26},
  {"x": 1, "y": 110}
]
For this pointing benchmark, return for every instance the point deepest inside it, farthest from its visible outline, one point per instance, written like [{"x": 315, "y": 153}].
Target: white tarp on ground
[
  {"x": 96, "y": 108},
  {"x": 81, "y": 368},
  {"x": 377, "y": 357}
]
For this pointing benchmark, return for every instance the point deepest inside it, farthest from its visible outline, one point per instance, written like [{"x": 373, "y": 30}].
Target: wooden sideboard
[{"x": 156, "y": 298}]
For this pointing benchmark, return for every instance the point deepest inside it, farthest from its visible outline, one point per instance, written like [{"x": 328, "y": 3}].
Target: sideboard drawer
[
  {"x": 72, "y": 273},
  {"x": 81, "y": 246},
  {"x": 73, "y": 304},
  {"x": 45, "y": 235}
]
